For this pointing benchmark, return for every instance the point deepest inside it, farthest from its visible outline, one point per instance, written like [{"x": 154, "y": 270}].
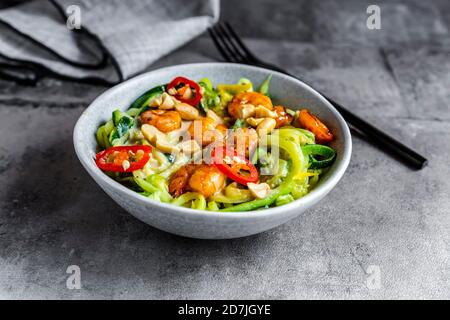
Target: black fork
[{"x": 233, "y": 49}]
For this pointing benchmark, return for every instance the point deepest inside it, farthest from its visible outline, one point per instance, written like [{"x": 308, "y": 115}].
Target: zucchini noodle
[
  {"x": 233, "y": 194},
  {"x": 155, "y": 186},
  {"x": 212, "y": 206},
  {"x": 193, "y": 200},
  {"x": 103, "y": 133},
  {"x": 299, "y": 136}
]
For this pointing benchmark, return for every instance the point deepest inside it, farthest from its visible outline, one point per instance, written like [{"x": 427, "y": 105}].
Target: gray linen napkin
[{"x": 117, "y": 40}]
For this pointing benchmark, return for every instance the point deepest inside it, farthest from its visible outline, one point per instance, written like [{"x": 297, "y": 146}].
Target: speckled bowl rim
[{"x": 315, "y": 195}]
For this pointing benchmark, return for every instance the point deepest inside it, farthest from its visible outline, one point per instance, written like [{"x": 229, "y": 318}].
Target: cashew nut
[
  {"x": 259, "y": 190},
  {"x": 254, "y": 122},
  {"x": 167, "y": 102},
  {"x": 158, "y": 138},
  {"x": 246, "y": 111},
  {"x": 212, "y": 115},
  {"x": 186, "y": 111},
  {"x": 263, "y": 112},
  {"x": 266, "y": 126}
]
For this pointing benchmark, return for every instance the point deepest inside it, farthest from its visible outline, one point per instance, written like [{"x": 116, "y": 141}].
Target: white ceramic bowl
[{"x": 205, "y": 224}]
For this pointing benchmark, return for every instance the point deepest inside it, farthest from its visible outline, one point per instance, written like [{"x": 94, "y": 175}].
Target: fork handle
[
  {"x": 378, "y": 137},
  {"x": 375, "y": 135}
]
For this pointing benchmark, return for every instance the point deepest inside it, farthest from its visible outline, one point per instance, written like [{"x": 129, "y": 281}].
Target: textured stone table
[{"x": 382, "y": 214}]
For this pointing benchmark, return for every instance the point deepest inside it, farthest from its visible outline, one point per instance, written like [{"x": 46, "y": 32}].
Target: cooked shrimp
[
  {"x": 310, "y": 122},
  {"x": 206, "y": 131},
  {"x": 165, "y": 121},
  {"x": 207, "y": 180},
  {"x": 283, "y": 118},
  {"x": 242, "y": 100},
  {"x": 202, "y": 178},
  {"x": 179, "y": 181}
]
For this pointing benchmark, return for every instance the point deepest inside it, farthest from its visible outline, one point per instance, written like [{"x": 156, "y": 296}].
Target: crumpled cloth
[{"x": 117, "y": 39}]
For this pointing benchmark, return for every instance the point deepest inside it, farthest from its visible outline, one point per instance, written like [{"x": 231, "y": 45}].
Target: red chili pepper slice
[
  {"x": 181, "y": 84},
  {"x": 112, "y": 159},
  {"x": 241, "y": 170}
]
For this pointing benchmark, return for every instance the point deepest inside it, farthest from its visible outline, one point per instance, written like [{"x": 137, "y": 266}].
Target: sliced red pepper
[
  {"x": 181, "y": 84},
  {"x": 112, "y": 159},
  {"x": 242, "y": 171}
]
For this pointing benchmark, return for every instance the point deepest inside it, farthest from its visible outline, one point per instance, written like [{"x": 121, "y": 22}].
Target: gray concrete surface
[{"x": 382, "y": 214}]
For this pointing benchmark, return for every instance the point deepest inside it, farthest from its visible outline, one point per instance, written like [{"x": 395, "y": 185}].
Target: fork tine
[
  {"x": 221, "y": 37},
  {"x": 238, "y": 40},
  {"x": 231, "y": 45},
  {"x": 220, "y": 47}
]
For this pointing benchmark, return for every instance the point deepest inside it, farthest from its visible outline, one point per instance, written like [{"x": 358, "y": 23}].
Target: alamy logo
[
  {"x": 74, "y": 17},
  {"x": 74, "y": 280},
  {"x": 374, "y": 20},
  {"x": 373, "y": 281}
]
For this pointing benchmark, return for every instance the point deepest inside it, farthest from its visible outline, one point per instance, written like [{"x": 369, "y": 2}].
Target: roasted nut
[
  {"x": 266, "y": 126},
  {"x": 166, "y": 147},
  {"x": 186, "y": 111},
  {"x": 213, "y": 116},
  {"x": 246, "y": 111},
  {"x": 167, "y": 102},
  {"x": 172, "y": 91},
  {"x": 187, "y": 94},
  {"x": 259, "y": 190},
  {"x": 153, "y": 135},
  {"x": 263, "y": 112},
  {"x": 156, "y": 102},
  {"x": 254, "y": 122}
]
